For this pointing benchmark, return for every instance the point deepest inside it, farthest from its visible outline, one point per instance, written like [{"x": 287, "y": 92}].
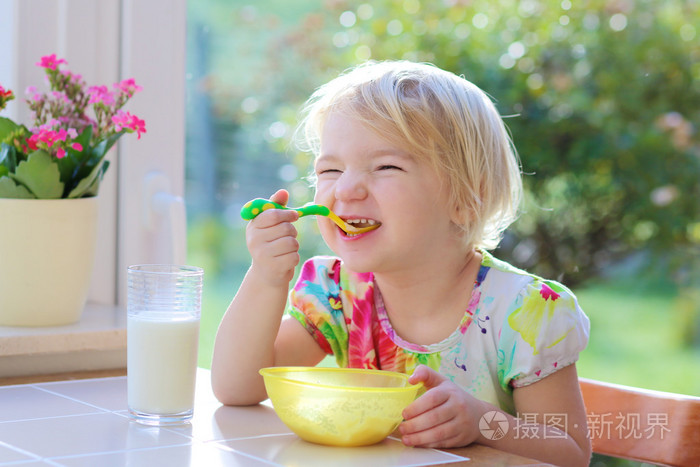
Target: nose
[{"x": 350, "y": 186}]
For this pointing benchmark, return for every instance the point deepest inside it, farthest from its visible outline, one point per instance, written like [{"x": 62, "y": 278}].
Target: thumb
[
  {"x": 429, "y": 377},
  {"x": 280, "y": 197}
]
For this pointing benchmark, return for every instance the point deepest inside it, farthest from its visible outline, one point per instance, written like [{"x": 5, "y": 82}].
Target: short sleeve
[
  {"x": 315, "y": 302},
  {"x": 544, "y": 330}
]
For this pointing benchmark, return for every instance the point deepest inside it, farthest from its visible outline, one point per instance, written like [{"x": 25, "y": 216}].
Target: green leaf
[
  {"x": 88, "y": 186},
  {"x": 92, "y": 191},
  {"x": 107, "y": 143},
  {"x": 9, "y": 189},
  {"x": 8, "y": 157},
  {"x": 40, "y": 174},
  {"x": 84, "y": 164},
  {"x": 71, "y": 165},
  {"x": 7, "y": 126}
]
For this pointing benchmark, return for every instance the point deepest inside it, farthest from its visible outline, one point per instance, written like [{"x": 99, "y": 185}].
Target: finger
[
  {"x": 429, "y": 401},
  {"x": 272, "y": 240},
  {"x": 434, "y": 439},
  {"x": 273, "y": 217},
  {"x": 434, "y": 434},
  {"x": 427, "y": 419},
  {"x": 280, "y": 197},
  {"x": 282, "y": 246},
  {"x": 429, "y": 377}
]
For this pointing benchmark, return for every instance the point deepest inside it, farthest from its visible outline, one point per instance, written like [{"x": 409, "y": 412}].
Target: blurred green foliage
[{"x": 602, "y": 98}]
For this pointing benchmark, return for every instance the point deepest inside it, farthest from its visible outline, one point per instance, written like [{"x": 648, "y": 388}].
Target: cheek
[
  {"x": 322, "y": 192},
  {"x": 328, "y": 232}
]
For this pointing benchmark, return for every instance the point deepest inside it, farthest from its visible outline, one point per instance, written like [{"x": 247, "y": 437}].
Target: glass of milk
[{"x": 163, "y": 312}]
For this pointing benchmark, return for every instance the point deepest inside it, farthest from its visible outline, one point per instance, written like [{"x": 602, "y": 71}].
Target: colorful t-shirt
[{"x": 517, "y": 328}]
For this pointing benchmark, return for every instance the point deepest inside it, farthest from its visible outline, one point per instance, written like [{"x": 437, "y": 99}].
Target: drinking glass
[{"x": 163, "y": 314}]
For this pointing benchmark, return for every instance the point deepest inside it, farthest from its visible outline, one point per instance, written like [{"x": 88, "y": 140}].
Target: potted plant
[{"x": 49, "y": 179}]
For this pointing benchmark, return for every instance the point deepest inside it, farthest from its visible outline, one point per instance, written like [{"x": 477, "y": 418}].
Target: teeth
[{"x": 361, "y": 221}]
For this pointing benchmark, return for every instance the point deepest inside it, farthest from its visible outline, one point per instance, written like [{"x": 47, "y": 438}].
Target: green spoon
[{"x": 254, "y": 207}]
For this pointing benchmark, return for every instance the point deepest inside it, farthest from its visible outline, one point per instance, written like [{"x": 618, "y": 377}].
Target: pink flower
[
  {"x": 46, "y": 126},
  {"x": 138, "y": 125},
  {"x": 31, "y": 142},
  {"x": 100, "y": 94},
  {"x": 32, "y": 94},
  {"x": 44, "y": 136},
  {"x": 128, "y": 86},
  {"x": 124, "y": 120},
  {"x": 50, "y": 61},
  {"x": 61, "y": 135},
  {"x": 121, "y": 119},
  {"x": 60, "y": 96},
  {"x": 6, "y": 93}
]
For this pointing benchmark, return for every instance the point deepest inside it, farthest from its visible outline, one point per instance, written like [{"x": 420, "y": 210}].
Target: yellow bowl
[{"x": 339, "y": 406}]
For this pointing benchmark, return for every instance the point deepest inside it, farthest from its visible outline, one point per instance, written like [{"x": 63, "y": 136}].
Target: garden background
[{"x": 602, "y": 98}]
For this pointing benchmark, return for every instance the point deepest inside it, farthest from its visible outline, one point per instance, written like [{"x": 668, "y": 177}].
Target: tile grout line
[
  {"x": 74, "y": 399},
  {"x": 457, "y": 458},
  {"x": 52, "y": 417},
  {"x": 216, "y": 443},
  {"x": 21, "y": 451},
  {"x": 56, "y": 459},
  {"x": 65, "y": 381},
  {"x": 243, "y": 438},
  {"x": 73, "y": 381},
  {"x": 224, "y": 447}
]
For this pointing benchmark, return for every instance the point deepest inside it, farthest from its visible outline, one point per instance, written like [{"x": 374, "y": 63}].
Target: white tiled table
[{"x": 85, "y": 423}]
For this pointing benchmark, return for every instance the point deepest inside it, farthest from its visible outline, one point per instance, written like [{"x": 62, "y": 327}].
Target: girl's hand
[
  {"x": 272, "y": 243},
  {"x": 445, "y": 416}
]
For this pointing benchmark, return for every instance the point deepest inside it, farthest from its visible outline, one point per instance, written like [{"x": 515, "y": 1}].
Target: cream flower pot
[{"x": 47, "y": 251}]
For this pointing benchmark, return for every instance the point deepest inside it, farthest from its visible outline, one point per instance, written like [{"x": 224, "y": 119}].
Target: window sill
[{"x": 96, "y": 342}]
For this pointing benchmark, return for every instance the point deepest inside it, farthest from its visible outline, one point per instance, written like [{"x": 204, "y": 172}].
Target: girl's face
[{"x": 362, "y": 177}]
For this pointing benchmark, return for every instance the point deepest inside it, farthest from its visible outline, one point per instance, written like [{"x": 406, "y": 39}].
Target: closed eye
[
  {"x": 327, "y": 171},
  {"x": 389, "y": 167}
]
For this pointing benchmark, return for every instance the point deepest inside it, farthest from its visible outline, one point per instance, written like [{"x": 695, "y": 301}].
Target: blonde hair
[{"x": 438, "y": 117}]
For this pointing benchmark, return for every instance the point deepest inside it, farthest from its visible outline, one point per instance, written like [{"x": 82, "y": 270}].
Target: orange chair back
[{"x": 642, "y": 425}]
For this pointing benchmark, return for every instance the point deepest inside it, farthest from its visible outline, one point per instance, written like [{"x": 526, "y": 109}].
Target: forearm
[{"x": 245, "y": 341}]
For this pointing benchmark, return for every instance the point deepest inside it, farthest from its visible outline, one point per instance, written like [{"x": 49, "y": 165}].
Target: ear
[{"x": 461, "y": 215}]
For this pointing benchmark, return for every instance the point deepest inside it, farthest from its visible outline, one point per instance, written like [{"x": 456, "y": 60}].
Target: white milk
[{"x": 161, "y": 364}]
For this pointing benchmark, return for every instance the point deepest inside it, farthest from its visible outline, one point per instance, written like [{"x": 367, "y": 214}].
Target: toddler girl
[{"x": 424, "y": 155}]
